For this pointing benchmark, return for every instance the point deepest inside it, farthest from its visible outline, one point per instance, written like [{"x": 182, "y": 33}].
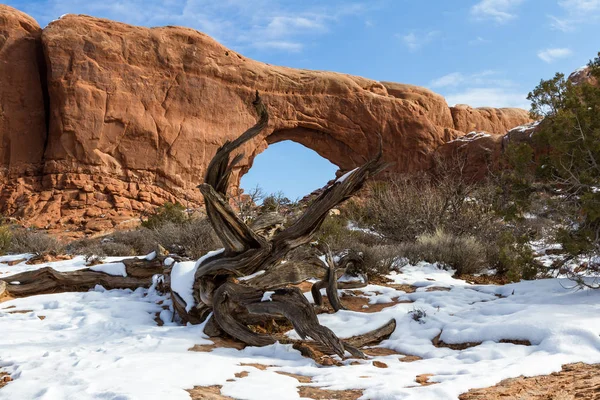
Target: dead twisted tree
[
  {"x": 248, "y": 282},
  {"x": 237, "y": 305}
]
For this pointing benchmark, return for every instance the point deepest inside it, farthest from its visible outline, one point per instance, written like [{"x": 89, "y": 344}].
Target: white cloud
[
  {"x": 550, "y": 55},
  {"x": 453, "y": 79},
  {"x": 478, "y": 40},
  {"x": 273, "y": 25},
  {"x": 582, "y": 6},
  {"x": 292, "y": 47},
  {"x": 281, "y": 26},
  {"x": 561, "y": 24},
  {"x": 415, "y": 41},
  {"x": 482, "y": 89},
  {"x": 500, "y": 11},
  {"x": 483, "y": 78},
  {"x": 489, "y": 97},
  {"x": 576, "y": 12}
]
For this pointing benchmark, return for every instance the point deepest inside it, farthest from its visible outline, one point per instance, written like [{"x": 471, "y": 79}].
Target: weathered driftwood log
[
  {"x": 352, "y": 344},
  {"x": 236, "y": 304},
  {"x": 47, "y": 280}
]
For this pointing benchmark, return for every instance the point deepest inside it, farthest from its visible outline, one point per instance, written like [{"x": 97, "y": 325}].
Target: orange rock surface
[
  {"x": 22, "y": 110},
  {"x": 135, "y": 115}
]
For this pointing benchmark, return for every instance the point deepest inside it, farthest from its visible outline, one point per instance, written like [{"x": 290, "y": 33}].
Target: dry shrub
[
  {"x": 406, "y": 207},
  {"x": 465, "y": 254},
  {"x": 141, "y": 240},
  {"x": 105, "y": 248},
  {"x": 439, "y": 217},
  {"x": 192, "y": 238},
  {"x": 168, "y": 212},
  {"x": 5, "y": 239},
  {"x": 335, "y": 233},
  {"x": 379, "y": 259},
  {"x": 30, "y": 241}
]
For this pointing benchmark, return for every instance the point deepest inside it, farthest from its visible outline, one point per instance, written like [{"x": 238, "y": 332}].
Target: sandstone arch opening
[{"x": 289, "y": 167}]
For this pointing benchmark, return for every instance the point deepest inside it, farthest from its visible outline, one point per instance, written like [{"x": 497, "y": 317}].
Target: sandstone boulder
[
  {"x": 581, "y": 75},
  {"x": 479, "y": 152}
]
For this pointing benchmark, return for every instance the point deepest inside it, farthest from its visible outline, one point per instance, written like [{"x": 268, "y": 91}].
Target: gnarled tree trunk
[{"x": 238, "y": 304}]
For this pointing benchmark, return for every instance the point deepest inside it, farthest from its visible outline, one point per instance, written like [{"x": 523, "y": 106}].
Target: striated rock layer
[{"x": 135, "y": 115}]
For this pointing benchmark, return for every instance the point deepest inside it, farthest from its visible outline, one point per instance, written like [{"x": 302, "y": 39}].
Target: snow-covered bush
[{"x": 418, "y": 315}]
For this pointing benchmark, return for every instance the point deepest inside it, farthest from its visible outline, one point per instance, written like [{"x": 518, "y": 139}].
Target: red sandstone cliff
[
  {"x": 22, "y": 110},
  {"x": 135, "y": 115}
]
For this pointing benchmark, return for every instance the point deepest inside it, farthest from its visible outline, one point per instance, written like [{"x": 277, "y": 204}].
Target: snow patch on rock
[
  {"x": 114, "y": 269},
  {"x": 182, "y": 277}
]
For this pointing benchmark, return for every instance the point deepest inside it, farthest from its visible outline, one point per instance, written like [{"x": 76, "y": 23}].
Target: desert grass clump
[
  {"x": 34, "y": 242},
  {"x": 193, "y": 238}
]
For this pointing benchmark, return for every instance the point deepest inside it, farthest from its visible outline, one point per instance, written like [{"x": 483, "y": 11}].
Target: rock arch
[
  {"x": 135, "y": 115},
  {"x": 344, "y": 156}
]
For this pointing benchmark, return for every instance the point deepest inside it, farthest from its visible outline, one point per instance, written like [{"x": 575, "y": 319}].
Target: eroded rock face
[
  {"x": 480, "y": 153},
  {"x": 22, "y": 111},
  {"x": 490, "y": 120},
  {"x": 136, "y": 114}
]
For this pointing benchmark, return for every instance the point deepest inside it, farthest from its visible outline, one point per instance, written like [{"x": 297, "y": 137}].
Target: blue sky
[{"x": 479, "y": 52}]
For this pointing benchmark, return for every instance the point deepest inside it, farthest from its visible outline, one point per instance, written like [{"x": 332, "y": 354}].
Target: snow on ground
[
  {"x": 115, "y": 269},
  {"x": 74, "y": 264},
  {"x": 106, "y": 344}
]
